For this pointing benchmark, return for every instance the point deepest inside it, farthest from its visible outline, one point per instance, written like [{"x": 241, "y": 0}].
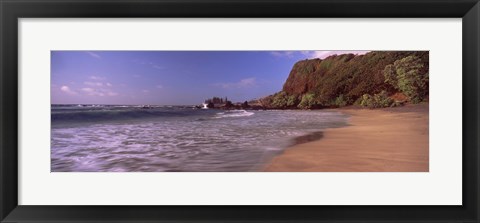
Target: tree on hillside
[
  {"x": 266, "y": 102},
  {"x": 245, "y": 104},
  {"x": 308, "y": 101},
  {"x": 292, "y": 101},
  {"x": 280, "y": 100},
  {"x": 406, "y": 75},
  {"x": 228, "y": 104}
]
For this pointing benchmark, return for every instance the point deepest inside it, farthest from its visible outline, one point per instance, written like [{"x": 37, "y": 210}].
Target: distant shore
[{"x": 379, "y": 140}]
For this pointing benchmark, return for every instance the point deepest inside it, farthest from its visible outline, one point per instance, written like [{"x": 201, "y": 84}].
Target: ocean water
[{"x": 100, "y": 138}]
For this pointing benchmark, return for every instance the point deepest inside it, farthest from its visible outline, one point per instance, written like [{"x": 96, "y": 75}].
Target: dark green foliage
[
  {"x": 366, "y": 100},
  {"x": 229, "y": 104},
  {"x": 245, "y": 104},
  {"x": 282, "y": 100},
  {"x": 308, "y": 101},
  {"x": 292, "y": 101},
  {"x": 406, "y": 75},
  {"x": 340, "y": 101},
  {"x": 380, "y": 100},
  {"x": 266, "y": 102},
  {"x": 390, "y": 74},
  {"x": 215, "y": 100}
]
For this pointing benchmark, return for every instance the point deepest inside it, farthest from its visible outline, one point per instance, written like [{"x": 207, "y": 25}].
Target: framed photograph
[{"x": 228, "y": 111}]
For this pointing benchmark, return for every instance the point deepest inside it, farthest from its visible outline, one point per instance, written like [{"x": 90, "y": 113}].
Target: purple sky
[{"x": 170, "y": 77}]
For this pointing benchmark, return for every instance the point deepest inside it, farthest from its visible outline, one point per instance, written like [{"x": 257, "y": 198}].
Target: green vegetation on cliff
[{"x": 376, "y": 79}]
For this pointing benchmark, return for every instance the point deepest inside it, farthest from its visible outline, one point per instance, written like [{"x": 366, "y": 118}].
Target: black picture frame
[{"x": 12, "y": 10}]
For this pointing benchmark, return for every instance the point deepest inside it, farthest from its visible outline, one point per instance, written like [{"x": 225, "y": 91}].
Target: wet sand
[{"x": 380, "y": 140}]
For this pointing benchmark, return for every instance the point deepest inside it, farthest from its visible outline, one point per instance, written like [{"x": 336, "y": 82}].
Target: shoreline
[{"x": 378, "y": 140}]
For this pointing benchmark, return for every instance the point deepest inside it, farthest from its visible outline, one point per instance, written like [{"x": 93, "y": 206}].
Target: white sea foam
[
  {"x": 234, "y": 113},
  {"x": 236, "y": 140}
]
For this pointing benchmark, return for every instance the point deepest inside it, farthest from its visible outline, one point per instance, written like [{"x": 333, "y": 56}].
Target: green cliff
[{"x": 376, "y": 79}]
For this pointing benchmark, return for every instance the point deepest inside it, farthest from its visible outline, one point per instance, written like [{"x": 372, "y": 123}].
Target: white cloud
[
  {"x": 248, "y": 82},
  {"x": 94, "y": 55},
  {"x": 98, "y": 84},
  {"x": 111, "y": 93},
  {"x": 159, "y": 86},
  {"x": 148, "y": 63},
  {"x": 87, "y": 89},
  {"x": 282, "y": 53},
  {"x": 67, "y": 90},
  {"x": 311, "y": 54},
  {"x": 324, "y": 54},
  {"x": 145, "y": 91},
  {"x": 108, "y": 84},
  {"x": 244, "y": 83},
  {"x": 97, "y": 78},
  {"x": 99, "y": 92}
]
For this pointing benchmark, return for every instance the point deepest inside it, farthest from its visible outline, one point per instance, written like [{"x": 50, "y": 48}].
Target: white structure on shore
[{"x": 205, "y": 106}]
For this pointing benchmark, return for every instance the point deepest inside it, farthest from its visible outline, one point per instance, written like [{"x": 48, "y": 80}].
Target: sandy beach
[{"x": 379, "y": 140}]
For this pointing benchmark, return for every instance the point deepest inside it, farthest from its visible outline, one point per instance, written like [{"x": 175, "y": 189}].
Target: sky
[{"x": 170, "y": 77}]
